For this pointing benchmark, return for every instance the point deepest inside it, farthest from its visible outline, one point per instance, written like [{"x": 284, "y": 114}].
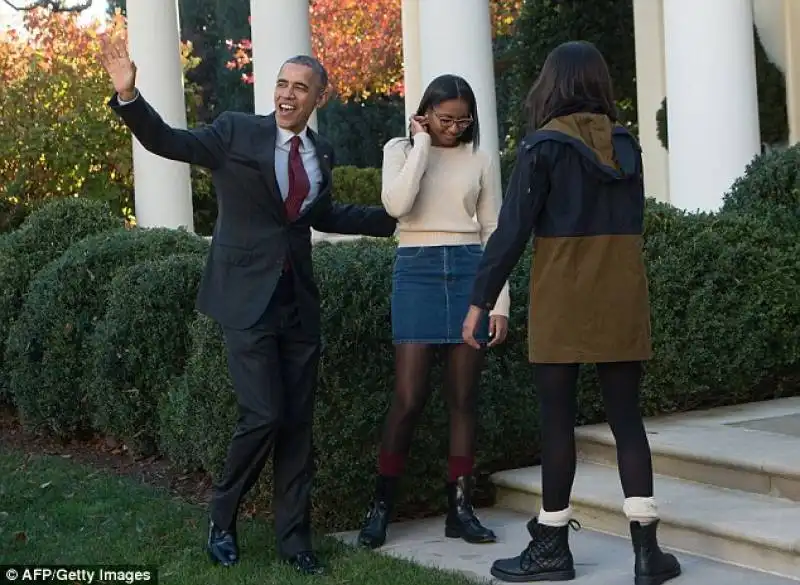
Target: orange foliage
[
  {"x": 57, "y": 135},
  {"x": 360, "y": 42}
]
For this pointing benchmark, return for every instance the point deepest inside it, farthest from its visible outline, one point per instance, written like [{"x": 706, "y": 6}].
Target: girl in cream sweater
[{"x": 446, "y": 196}]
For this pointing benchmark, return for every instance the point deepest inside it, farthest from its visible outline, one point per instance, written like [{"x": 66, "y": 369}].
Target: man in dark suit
[{"x": 272, "y": 176}]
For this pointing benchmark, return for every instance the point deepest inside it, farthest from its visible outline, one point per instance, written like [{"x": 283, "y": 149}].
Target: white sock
[
  {"x": 555, "y": 519},
  {"x": 641, "y": 510}
]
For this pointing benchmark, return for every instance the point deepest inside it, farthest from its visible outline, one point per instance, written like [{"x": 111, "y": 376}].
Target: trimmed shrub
[
  {"x": 139, "y": 345},
  {"x": 197, "y": 413},
  {"x": 354, "y": 185},
  {"x": 770, "y": 187},
  {"x": 726, "y": 316},
  {"x": 46, "y": 233},
  {"x": 46, "y": 352},
  {"x": 725, "y": 319}
]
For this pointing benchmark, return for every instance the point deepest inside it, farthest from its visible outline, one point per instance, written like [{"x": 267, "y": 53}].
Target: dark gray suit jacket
[{"x": 252, "y": 235}]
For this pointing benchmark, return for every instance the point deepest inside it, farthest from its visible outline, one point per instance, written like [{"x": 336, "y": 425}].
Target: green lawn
[{"x": 54, "y": 511}]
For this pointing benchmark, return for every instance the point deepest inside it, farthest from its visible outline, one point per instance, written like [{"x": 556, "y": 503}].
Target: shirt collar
[{"x": 284, "y": 136}]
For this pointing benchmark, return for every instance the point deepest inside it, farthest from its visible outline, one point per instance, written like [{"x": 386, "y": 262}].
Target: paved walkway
[{"x": 600, "y": 559}]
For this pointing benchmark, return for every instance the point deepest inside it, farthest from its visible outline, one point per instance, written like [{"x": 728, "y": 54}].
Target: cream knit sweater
[{"x": 442, "y": 196}]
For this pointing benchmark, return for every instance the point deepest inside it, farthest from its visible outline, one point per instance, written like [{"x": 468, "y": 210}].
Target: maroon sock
[
  {"x": 391, "y": 464},
  {"x": 459, "y": 466}
]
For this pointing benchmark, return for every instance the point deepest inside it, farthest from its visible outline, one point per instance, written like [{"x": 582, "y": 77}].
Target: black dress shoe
[
  {"x": 222, "y": 547},
  {"x": 306, "y": 563}
]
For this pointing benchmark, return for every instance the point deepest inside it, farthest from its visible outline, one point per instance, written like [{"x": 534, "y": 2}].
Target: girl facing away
[
  {"x": 577, "y": 187},
  {"x": 446, "y": 196}
]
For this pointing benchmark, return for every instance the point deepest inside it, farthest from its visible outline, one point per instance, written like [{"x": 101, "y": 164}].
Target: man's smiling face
[{"x": 297, "y": 92}]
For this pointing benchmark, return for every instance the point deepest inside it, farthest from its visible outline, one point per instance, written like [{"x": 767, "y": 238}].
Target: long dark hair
[
  {"x": 452, "y": 87},
  {"x": 574, "y": 78}
]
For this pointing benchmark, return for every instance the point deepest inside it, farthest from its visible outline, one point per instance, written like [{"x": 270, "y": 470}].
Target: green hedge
[
  {"x": 140, "y": 344},
  {"x": 46, "y": 356},
  {"x": 45, "y": 234},
  {"x": 770, "y": 188},
  {"x": 354, "y": 185}
]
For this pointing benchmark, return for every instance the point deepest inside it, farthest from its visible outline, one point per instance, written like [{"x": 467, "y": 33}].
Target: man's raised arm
[{"x": 205, "y": 146}]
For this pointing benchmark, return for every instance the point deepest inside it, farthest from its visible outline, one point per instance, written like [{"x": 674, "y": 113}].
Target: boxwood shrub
[
  {"x": 139, "y": 345},
  {"x": 357, "y": 185},
  {"x": 46, "y": 352},
  {"x": 45, "y": 234},
  {"x": 770, "y": 187}
]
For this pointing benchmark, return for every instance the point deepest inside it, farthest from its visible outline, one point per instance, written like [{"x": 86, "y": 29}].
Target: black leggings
[{"x": 556, "y": 385}]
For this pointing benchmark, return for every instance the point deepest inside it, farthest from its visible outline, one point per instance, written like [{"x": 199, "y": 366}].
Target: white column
[
  {"x": 279, "y": 29},
  {"x": 412, "y": 74},
  {"x": 791, "y": 10},
  {"x": 163, "y": 189},
  {"x": 651, "y": 88},
  {"x": 443, "y": 25},
  {"x": 712, "y": 103}
]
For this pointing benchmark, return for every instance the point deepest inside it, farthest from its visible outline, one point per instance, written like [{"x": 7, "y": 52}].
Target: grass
[{"x": 55, "y": 511}]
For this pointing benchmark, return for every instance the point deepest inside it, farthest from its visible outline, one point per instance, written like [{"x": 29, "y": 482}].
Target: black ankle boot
[
  {"x": 461, "y": 520},
  {"x": 373, "y": 531},
  {"x": 547, "y": 557},
  {"x": 652, "y": 566}
]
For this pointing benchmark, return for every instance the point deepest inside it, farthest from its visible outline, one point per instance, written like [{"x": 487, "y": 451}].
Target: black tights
[
  {"x": 412, "y": 365},
  {"x": 556, "y": 385}
]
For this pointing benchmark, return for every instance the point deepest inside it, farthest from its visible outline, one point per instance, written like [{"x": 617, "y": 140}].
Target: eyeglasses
[{"x": 447, "y": 122}]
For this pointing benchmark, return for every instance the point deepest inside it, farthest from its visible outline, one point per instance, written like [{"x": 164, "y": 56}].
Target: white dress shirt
[{"x": 282, "y": 147}]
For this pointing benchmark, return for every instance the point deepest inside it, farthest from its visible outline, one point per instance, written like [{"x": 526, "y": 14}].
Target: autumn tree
[
  {"x": 360, "y": 42},
  {"x": 58, "y": 137}
]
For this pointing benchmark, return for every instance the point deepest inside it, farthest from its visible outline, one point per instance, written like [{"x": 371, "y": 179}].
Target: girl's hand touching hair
[{"x": 418, "y": 124}]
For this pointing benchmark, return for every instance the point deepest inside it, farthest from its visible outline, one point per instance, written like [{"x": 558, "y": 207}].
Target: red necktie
[{"x": 299, "y": 187}]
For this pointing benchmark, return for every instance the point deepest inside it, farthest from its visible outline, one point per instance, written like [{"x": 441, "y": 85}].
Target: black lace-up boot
[{"x": 547, "y": 557}]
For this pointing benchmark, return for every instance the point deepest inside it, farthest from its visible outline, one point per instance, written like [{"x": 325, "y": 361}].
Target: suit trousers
[{"x": 274, "y": 367}]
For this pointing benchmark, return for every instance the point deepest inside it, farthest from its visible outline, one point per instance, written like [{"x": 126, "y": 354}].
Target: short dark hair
[
  {"x": 314, "y": 65},
  {"x": 452, "y": 87},
  {"x": 574, "y": 78}
]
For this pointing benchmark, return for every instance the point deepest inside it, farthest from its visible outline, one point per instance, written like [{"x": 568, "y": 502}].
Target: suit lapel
[{"x": 267, "y": 159}]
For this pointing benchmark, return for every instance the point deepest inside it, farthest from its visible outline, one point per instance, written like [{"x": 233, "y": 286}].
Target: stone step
[
  {"x": 600, "y": 559},
  {"x": 725, "y": 455},
  {"x": 741, "y": 528}
]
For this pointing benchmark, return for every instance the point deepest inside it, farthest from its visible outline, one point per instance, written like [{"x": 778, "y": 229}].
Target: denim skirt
[{"x": 431, "y": 288}]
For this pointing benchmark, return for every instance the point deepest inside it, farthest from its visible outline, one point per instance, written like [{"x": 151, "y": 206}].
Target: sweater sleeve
[
  {"x": 402, "y": 173},
  {"x": 488, "y": 209}
]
